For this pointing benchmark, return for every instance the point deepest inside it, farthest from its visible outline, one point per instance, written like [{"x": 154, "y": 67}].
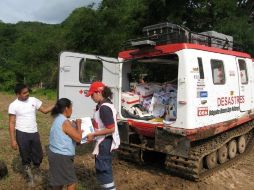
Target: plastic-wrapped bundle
[
  {"x": 168, "y": 87},
  {"x": 147, "y": 103},
  {"x": 163, "y": 101},
  {"x": 157, "y": 110},
  {"x": 158, "y": 103},
  {"x": 161, "y": 98}
]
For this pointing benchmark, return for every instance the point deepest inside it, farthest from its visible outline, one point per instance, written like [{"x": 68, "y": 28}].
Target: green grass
[
  {"x": 1, "y": 120},
  {"x": 48, "y": 93}
]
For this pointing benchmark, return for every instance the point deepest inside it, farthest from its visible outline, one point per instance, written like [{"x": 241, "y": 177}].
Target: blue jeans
[{"x": 103, "y": 163}]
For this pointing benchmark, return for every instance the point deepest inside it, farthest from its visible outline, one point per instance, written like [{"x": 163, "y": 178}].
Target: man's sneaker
[
  {"x": 29, "y": 174},
  {"x": 37, "y": 175}
]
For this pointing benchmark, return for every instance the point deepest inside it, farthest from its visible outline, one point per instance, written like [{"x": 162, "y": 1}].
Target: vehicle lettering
[
  {"x": 202, "y": 111},
  {"x": 232, "y": 100},
  {"x": 224, "y": 110}
]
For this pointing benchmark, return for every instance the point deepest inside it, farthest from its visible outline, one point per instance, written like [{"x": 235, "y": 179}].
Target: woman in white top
[{"x": 106, "y": 133}]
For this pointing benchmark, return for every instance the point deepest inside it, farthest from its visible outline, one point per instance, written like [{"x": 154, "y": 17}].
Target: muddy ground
[{"x": 128, "y": 176}]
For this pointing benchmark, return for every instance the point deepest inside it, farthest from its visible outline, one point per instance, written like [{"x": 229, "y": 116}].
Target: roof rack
[{"x": 168, "y": 33}]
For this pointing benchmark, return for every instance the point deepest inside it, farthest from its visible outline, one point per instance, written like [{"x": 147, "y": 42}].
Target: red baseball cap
[{"x": 95, "y": 87}]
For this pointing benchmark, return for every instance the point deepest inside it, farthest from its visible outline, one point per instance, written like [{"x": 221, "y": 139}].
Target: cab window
[
  {"x": 243, "y": 71},
  {"x": 218, "y": 72}
]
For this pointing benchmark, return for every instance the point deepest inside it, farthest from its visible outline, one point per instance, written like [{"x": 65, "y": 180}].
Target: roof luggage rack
[{"x": 168, "y": 33}]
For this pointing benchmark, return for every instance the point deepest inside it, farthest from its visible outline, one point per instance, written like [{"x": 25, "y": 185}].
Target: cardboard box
[
  {"x": 144, "y": 91},
  {"x": 129, "y": 99}
]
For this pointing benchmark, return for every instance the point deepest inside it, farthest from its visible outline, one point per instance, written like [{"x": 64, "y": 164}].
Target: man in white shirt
[{"x": 22, "y": 121}]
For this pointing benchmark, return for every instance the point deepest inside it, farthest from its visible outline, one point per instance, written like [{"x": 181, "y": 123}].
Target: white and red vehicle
[{"x": 209, "y": 83}]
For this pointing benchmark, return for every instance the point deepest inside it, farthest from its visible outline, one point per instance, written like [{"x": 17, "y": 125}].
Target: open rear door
[{"x": 77, "y": 72}]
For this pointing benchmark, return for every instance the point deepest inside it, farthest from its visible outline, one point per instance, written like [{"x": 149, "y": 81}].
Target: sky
[{"x": 46, "y": 11}]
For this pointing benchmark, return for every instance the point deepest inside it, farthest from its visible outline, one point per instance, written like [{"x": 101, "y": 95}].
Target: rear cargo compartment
[{"x": 150, "y": 89}]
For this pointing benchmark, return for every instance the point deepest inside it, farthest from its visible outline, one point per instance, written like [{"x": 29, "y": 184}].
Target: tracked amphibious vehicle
[{"x": 187, "y": 96}]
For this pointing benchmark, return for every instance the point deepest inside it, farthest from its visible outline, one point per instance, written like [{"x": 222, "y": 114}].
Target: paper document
[{"x": 87, "y": 127}]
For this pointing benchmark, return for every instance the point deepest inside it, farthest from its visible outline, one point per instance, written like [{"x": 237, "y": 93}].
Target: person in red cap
[{"x": 106, "y": 133}]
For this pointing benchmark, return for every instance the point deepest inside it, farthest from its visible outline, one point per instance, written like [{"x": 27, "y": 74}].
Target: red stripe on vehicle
[{"x": 170, "y": 48}]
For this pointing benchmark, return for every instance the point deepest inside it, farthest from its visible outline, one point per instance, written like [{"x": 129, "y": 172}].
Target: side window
[
  {"x": 243, "y": 71},
  {"x": 218, "y": 71},
  {"x": 90, "y": 70},
  {"x": 201, "y": 70}
]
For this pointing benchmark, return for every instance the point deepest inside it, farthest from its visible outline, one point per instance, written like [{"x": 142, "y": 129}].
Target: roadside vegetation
[{"x": 29, "y": 50}]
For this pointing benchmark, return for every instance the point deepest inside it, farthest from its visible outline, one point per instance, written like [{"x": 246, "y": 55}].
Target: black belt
[{"x": 109, "y": 137}]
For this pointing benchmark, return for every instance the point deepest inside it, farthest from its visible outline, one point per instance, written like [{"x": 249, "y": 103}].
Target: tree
[{"x": 29, "y": 50}]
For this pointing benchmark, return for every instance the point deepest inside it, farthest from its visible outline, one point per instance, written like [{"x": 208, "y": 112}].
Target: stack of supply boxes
[
  {"x": 159, "y": 100},
  {"x": 158, "y": 103},
  {"x": 163, "y": 103},
  {"x": 146, "y": 91}
]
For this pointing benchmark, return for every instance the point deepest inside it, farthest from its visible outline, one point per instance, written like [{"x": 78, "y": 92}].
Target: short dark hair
[{"x": 19, "y": 87}]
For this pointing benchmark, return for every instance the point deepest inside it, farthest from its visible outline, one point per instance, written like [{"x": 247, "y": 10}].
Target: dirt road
[
  {"x": 128, "y": 176},
  {"x": 135, "y": 177}
]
